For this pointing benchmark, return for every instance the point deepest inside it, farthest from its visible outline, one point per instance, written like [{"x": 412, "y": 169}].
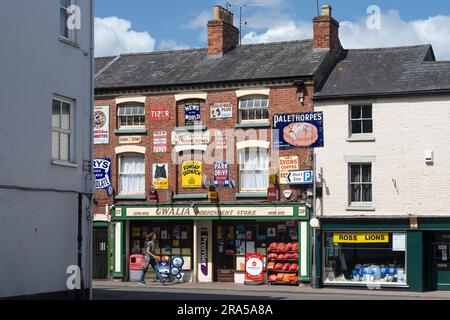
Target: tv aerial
[{"x": 241, "y": 9}]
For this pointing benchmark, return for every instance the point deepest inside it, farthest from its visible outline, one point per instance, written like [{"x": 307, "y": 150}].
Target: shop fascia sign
[
  {"x": 167, "y": 212},
  {"x": 363, "y": 237},
  {"x": 190, "y": 137}
]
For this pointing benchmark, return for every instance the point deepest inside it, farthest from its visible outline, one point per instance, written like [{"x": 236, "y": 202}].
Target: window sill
[
  {"x": 191, "y": 128},
  {"x": 360, "y": 208},
  {"x": 361, "y": 138},
  {"x": 131, "y": 197},
  {"x": 196, "y": 196},
  {"x": 253, "y": 125},
  {"x": 241, "y": 195},
  {"x": 64, "y": 164},
  {"x": 131, "y": 131},
  {"x": 69, "y": 42}
]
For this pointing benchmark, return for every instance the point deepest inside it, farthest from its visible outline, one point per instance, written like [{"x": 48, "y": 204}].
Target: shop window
[
  {"x": 173, "y": 239},
  {"x": 131, "y": 174},
  {"x": 254, "y": 109},
  {"x": 361, "y": 120},
  {"x": 62, "y": 129},
  {"x": 360, "y": 184},
  {"x": 63, "y": 18},
  {"x": 254, "y": 169},
  {"x": 131, "y": 116},
  {"x": 365, "y": 258}
]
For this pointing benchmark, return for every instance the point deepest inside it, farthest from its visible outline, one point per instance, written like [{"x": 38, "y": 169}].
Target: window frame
[
  {"x": 253, "y": 97},
  {"x": 60, "y": 130},
  {"x": 361, "y": 120},
  {"x": 253, "y": 190},
  {"x": 119, "y": 174},
  {"x": 367, "y": 204},
  {"x": 127, "y": 127},
  {"x": 71, "y": 33}
]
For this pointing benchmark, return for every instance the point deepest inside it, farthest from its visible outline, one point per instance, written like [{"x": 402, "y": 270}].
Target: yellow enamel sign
[
  {"x": 191, "y": 174},
  {"x": 361, "y": 237}
]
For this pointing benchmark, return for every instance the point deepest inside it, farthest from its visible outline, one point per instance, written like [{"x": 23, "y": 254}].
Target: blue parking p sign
[{"x": 300, "y": 177}]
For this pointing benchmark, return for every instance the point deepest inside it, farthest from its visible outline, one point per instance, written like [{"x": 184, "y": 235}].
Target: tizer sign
[{"x": 361, "y": 237}]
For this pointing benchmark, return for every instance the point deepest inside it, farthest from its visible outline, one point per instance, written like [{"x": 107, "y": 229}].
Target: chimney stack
[
  {"x": 326, "y": 31},
  {"x": 223, "y": 36}
]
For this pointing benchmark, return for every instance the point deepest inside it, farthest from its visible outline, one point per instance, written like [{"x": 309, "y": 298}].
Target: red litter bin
[{"x": 135, "y": 266}]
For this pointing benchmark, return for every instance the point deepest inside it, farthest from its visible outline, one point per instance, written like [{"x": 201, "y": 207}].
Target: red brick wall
[
  {"x": 282, "y": 99},
  {"x": 326, "y": 33}
]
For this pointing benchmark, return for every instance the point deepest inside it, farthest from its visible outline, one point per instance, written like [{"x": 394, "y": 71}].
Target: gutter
[
  {"x": 381, "y": 95},
  {"x": 228, "y": 82}
]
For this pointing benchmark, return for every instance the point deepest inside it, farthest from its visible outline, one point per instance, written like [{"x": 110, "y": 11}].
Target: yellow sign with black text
[
  {"x": 191, "y": 174},
  {"x": 370, "y": 237}
]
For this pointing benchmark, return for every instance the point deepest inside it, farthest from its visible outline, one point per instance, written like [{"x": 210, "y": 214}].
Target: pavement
[{"x": 113, "y": 289}]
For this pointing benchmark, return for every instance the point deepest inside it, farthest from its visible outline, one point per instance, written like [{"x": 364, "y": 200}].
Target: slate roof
[
  {"x": 385, "y": 71},
  {"x": 182, "y": 67}
]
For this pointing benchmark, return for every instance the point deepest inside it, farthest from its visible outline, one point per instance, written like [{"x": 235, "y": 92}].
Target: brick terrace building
[{"x": 166, "y": 108}]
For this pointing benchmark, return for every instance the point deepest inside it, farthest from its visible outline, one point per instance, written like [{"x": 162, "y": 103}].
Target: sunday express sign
[
  {"x": 221, "y": 174},
  {"x": 191, "y": 174},
  {"x": 298, "y": 130},
  {"x": 101, "y": 124}
]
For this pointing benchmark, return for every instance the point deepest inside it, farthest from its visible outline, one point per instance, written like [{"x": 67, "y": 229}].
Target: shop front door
[
  {"x": 100, "y": 253},
  {"x": 225, "y": 252},
  {"x": 440, "y": 261}
]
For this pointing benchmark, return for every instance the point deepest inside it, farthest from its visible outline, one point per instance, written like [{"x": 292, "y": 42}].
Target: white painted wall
[
  {"x": 38, "y": 230},
  {"x": 404, "y": 128}
]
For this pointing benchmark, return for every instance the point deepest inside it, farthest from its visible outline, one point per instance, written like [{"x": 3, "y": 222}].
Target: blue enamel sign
[
  {"x": 101, "y": 169},
  {"x": 192, "y": 113}
]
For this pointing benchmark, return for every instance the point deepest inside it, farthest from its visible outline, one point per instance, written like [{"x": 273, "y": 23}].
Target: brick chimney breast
[
  {"x": 326, "y": 31},
  {"x": 223, "y": 36}
]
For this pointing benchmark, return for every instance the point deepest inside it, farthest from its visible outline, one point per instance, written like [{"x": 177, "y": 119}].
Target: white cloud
[
  {"x": 394, "y": 31},
  {"x": 114, "y": 36},
  {"x": 287, "y": 31},
  {"x": 169, "y": 44},
  {"x": 200, "y": 22}
]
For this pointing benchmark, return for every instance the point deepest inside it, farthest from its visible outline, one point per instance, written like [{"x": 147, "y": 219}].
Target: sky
[{"x": 129, "y": 26}]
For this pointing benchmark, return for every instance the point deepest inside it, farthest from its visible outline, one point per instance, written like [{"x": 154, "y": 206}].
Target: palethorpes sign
[{"x": 298, "y": 130}]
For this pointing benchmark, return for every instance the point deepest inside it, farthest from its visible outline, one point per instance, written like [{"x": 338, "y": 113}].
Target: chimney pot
[
  {"x": 326, "y": 10},
  {"x": 217, "y": 12}
]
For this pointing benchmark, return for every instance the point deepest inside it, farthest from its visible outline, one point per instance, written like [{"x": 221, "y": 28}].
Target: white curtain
[
  {"x": 254, "y": 165},
  {"x": 132, "y": 174}
]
